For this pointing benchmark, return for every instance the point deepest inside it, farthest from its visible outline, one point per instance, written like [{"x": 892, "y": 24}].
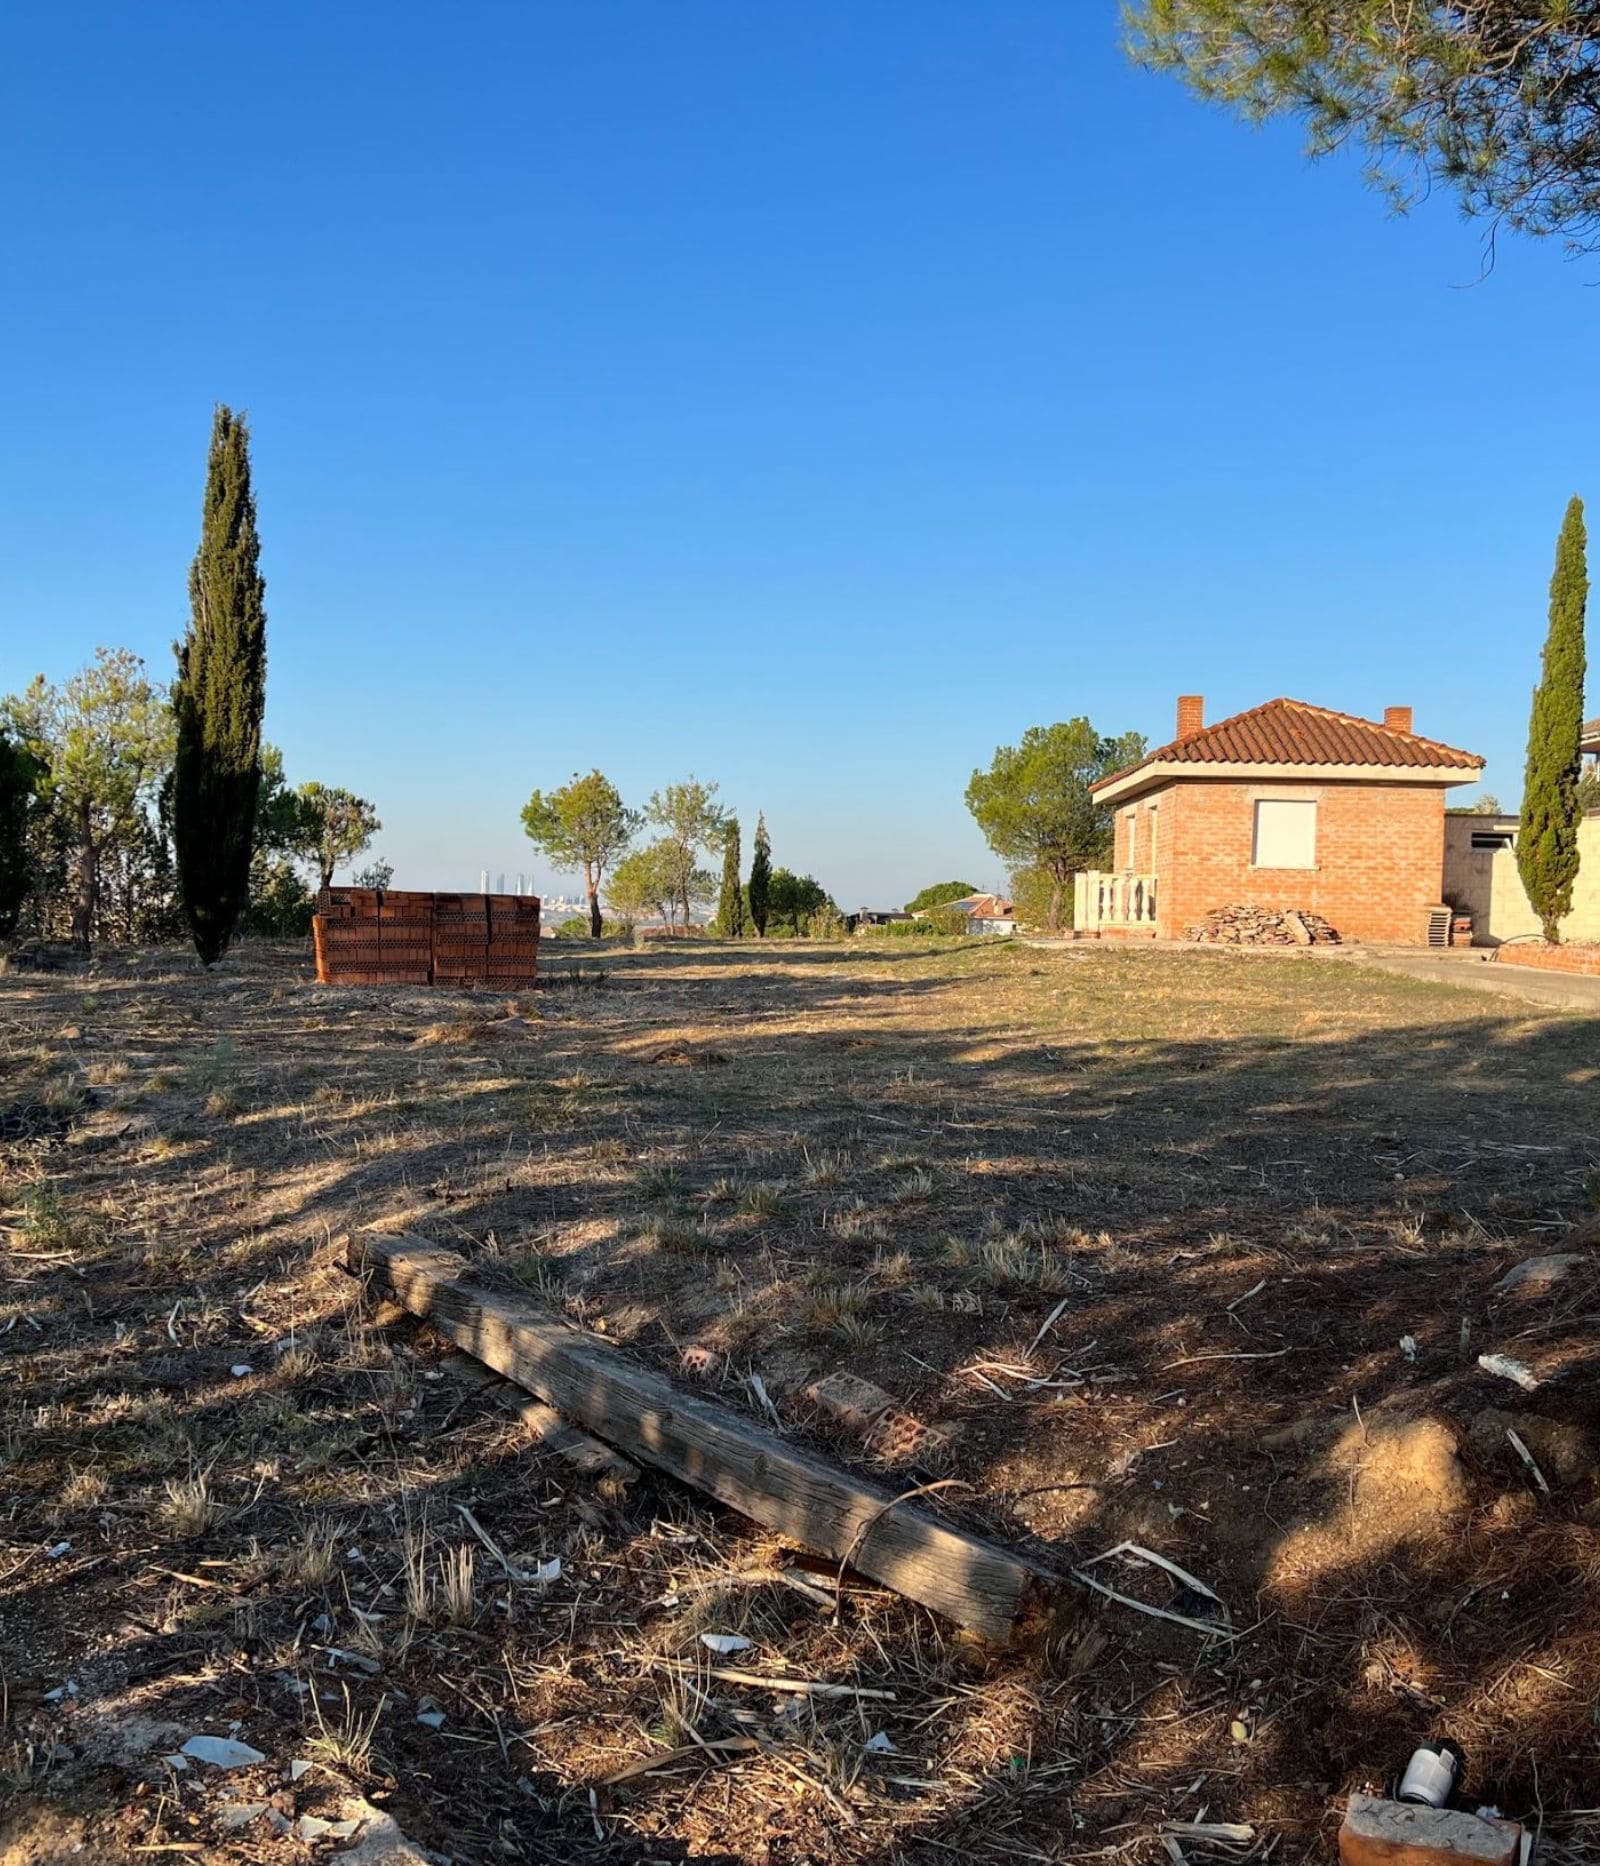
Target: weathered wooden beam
[
  {"x": 551, "y": 1432},
  {"x": 817, "y": 1505}
]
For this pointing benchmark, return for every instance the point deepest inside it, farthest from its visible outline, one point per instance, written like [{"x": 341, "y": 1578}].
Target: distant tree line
[
  {"x": 134, "y": 811},
  {"x": 584, "y": 827}
]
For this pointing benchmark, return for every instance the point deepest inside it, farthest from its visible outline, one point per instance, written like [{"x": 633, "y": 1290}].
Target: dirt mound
[
  {"x": 1390, "y": 1481},
  {"x": 1565, "y": 1452}
]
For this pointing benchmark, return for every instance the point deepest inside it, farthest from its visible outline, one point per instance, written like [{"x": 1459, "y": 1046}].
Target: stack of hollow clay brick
[{"x": 388, "y": 936}]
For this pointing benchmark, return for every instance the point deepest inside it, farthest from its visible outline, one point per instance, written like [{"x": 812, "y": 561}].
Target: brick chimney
[
  {"x": 1397, "y": 718},
  {"x": 1191, "y": 715}
]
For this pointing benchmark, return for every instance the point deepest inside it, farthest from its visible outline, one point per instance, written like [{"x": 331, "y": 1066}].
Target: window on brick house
[
  {"x": 1130, "y": 853},
  {"x": 1286, "y": 834}
]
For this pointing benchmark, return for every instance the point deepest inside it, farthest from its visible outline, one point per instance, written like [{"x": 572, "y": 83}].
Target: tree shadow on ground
[{"x": 1244, "y": 1187}]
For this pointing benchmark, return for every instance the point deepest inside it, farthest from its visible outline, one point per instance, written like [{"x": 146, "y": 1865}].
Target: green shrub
[
  {"x": 946, "y": 924},
  {"x": 281, "y": 905}
]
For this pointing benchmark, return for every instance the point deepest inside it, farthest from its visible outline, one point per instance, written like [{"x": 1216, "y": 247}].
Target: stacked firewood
[{"x": 1243, "y": 925}]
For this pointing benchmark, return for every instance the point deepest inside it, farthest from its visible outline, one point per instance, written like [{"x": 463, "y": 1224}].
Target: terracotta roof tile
[
  {"x": 1591, "y": 736},
  {"x": 1291, "y": 732}
]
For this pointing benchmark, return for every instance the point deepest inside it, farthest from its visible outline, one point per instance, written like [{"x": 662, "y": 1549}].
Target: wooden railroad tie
[{"x": 992, "y": 1591}]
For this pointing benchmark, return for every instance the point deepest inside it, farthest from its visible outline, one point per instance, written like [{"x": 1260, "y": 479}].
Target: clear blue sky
[{"x": 809, "y": 396}]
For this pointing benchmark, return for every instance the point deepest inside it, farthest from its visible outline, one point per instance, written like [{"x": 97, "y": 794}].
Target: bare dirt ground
[{"x": 1196, "y": 1250}]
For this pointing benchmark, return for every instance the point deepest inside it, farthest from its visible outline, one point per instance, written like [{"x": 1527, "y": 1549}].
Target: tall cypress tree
[
  {"x": 1547, "y": 842},
  {"x": 760, "y": 878},
  {"x": 730, "y": 903},
  {"x": 19, "y": 777},
  {"x": 218, "y": 699}
]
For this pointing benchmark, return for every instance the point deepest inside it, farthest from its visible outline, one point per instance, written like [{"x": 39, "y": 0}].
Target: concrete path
[
  {"x": 1472, "y": 969},
  {"x": 1561, "y": 991}
]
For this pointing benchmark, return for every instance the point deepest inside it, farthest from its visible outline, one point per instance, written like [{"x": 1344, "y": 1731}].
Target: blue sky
[{"x": 811, "y": 397}]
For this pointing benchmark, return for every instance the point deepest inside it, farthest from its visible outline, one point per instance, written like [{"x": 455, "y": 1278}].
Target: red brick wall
[
  {"x": 1585, "y": 959},
  {"x": 1144, "y": 835},
  {"x": 1379, "y": 854}
]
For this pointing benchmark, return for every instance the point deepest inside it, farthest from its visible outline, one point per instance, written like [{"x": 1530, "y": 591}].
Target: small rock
[
  {"x": 1588, "y": 1232},
  {"x": 1503, "y": 1367},
  {"x": 381, "y": 1842},
  {"x": 241, "y": 1370},
  {"x": 1536, "y": 1273}
]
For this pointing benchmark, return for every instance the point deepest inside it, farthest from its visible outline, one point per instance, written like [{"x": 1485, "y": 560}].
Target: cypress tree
[
  {"x": 730, "y": 904},
  {"x": 19, "y": 776},
  {"x": 218, "y": 699},
  {"x": 760, "y": 878},
  {"x": 1547, "y": 842}
]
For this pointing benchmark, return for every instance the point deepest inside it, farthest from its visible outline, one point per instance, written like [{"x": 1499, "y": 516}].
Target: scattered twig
[
  {"x": 1049, "y": 1322},
  {"x": 800, "y": 1687},
  {"x": 477, "y": 1528},
  {"x": 877, "y": 1516},
  {"x": 758, "y": 1386},
  {"x": 1239, "y": 1301},
  {"x": 1528, "y": 1459},
  {"x": 1157, "y": 1613},
  {"x": 714, "y": 1747},
  {"x": 1188, "y": 1360}
]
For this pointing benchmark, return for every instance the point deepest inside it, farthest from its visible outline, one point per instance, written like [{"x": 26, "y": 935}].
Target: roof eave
[{"x": 1142, "y": 778}]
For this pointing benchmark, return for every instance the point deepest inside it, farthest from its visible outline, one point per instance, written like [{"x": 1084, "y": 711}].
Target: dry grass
[
  {"x": 1050, "y": 1201},
  {"x": 345, "y": 1741},
  {"x": 311, "y": 1562},
  {"x": 187, "y": 1506}
]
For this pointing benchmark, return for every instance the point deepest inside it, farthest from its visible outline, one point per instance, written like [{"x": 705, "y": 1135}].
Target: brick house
[{"x": 1285, "y": 806}]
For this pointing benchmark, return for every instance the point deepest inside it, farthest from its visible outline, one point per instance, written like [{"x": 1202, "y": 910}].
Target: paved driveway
[{"x": 1478, "y": 972}]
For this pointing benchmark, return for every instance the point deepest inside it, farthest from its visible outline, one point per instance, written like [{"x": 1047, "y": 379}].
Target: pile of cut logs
[{"x": 1242, "y": 925}]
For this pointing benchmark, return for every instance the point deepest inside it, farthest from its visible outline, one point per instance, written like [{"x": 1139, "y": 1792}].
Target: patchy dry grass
[{"x": 1142, "y": 1231}]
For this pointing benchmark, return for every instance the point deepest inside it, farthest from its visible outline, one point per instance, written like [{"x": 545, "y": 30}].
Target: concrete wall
[
  {"x": 1379, "y": 854},
  {"x": 1485, "y": 882}
]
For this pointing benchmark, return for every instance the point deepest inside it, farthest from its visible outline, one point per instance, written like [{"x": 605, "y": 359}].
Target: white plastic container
[{"x": 1430, "y": 1777}]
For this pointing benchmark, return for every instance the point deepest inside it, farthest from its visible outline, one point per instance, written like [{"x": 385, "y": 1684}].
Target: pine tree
[
  {"x": 730, "y": 904},
  {"x": 218, "y": 697},
  {"x": 1547, "y": 842},
  {"x": 760, "y": 878}
]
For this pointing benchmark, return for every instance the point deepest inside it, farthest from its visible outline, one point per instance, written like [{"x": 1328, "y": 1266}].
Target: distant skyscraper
[{"x": 483, "y": 881}]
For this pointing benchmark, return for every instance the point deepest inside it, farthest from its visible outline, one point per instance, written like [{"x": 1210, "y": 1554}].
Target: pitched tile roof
[
  {"x": 1591, "y": 736},
  {"x": 1291, "y": 732}
]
